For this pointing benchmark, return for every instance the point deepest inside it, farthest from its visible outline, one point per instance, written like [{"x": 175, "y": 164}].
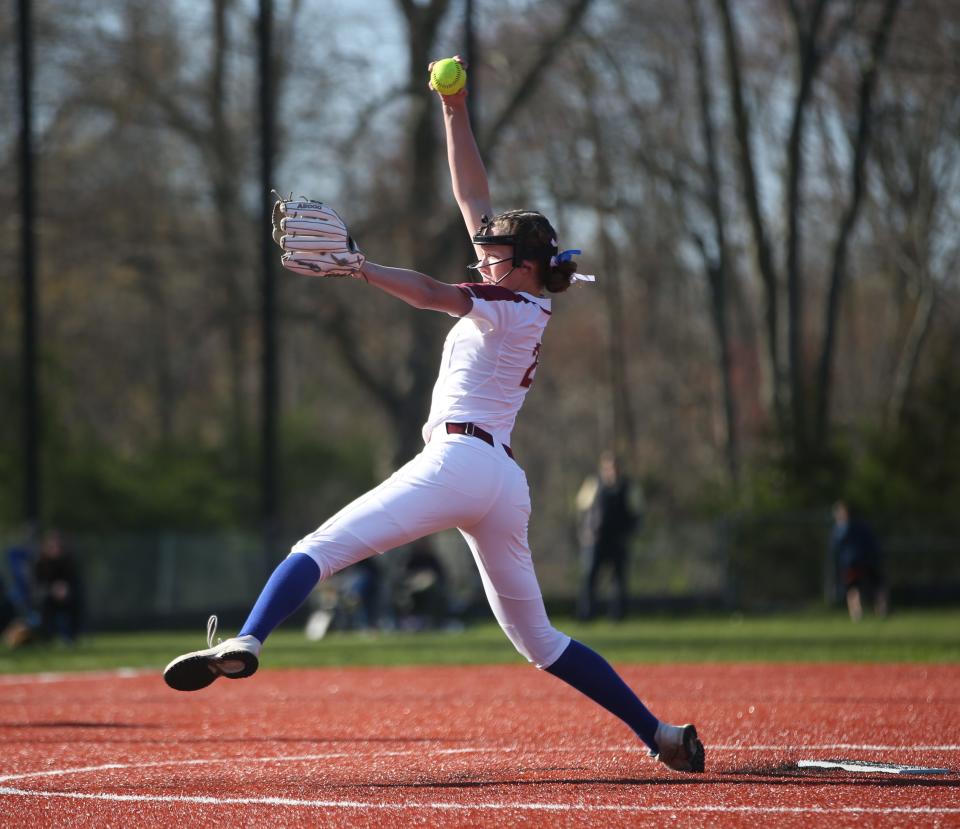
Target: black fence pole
[
  {"x": 29, "y": 326},
  {"x": 269, "y": 365}
]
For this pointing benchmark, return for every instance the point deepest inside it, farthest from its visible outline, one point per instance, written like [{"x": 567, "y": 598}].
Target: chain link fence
[{"x": 155, "y": 580}]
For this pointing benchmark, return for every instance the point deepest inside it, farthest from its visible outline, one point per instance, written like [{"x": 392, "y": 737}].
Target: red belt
[{"x": 475, "y": 431}]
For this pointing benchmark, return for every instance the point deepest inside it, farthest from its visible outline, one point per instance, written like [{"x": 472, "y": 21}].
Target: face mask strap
[{"x": 483, "y": 236}]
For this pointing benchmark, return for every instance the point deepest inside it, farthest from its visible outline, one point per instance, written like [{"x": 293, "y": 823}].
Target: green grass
[{"x": 909, "y": 636}]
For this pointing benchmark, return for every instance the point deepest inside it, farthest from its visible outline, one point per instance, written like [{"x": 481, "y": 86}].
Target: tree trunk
[
  {"x": 838, "y": 273},
  {"x": 748, "y": 181},
  {"x": 808, "y": 62},
  {"x": 222, "y": 164},
  {"x": 423, "y": 22},
  {"x": 920, "y": 325},
  {"x": 717, "y": 273},
  {"x": 624, "y": 439}
]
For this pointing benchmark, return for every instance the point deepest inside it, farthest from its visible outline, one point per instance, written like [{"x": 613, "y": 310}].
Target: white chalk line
[
  {"x": 49, "y": 677},
  {"x": 339, "y": 755},
  {"x": 10, "y": 791},
  {"x": 297, "y": 758},
  {"x": 466, "y": 807},
  {"x": 831, "y": 747},
  {"x": 420, "y": 751}
]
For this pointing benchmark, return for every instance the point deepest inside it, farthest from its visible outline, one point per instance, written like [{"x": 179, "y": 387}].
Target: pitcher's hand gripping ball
[
  {"x": 314, "y": 239},
  {"x": 448, "y": 76}
]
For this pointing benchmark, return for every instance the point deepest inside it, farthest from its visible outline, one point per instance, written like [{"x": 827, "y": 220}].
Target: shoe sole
[
  {"x": 694, "y": 748},
  {"x": 195, "y": 671}
]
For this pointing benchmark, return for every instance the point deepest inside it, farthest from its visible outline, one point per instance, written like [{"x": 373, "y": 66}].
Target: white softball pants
[{"x": 456, "y": 481}]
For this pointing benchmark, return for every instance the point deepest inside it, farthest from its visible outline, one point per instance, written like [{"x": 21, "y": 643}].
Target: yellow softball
[{"x": 448, "y": 76}]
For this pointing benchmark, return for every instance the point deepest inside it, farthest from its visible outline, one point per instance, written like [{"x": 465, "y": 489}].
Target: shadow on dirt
[
  {"x": 79, "y": 737},
  {"x": 770, "y": 775},
  {"x": 77, "y": 724}
]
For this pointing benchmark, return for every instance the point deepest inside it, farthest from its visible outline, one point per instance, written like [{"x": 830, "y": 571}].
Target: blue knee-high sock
[
  {"x": 592, "y": 675},
  {"x": 283, "y": 593}
]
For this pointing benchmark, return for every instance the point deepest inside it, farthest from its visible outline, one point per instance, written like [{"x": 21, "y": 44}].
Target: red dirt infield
[{"x": 477, "y": 746}]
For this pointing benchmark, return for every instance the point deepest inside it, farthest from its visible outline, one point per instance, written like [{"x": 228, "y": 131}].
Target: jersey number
[{"x": 527, "y": 380}]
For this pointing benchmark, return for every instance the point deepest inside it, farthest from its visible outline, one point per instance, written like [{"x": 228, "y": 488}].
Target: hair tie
[{"x": 566, "y": 256}]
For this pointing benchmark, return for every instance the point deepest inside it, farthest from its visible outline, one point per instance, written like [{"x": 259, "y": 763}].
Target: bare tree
[
  {"x": 917, "y": 168},
  {"x": 690, "y": 166},
  {"x": 839, "y": 268},
  {"x": 800, "y": 171},
  {"x": 716, "y": 266},
  {"x": 815, "y": 39},
  {"x": 197, "y": 105},
  {"x": 763, "y": 253}
]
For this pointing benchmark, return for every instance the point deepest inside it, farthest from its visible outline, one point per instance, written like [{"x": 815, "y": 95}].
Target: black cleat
[
  {"x": 680, "y": 748},
  {"x": 235, "y": 659}
]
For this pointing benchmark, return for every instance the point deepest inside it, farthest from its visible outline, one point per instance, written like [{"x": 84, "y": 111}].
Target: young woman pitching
[{"x": 466, "y": 476}]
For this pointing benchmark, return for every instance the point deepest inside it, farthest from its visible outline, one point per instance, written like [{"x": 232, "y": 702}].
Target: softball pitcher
[{"x": 466, "y": 476}]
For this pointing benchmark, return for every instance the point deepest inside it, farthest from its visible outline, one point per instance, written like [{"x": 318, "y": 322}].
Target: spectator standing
[
  {"x": 609, "y": 515},
  {"x": 57, "y": 580},
  {"x": 856, "y": 553}
]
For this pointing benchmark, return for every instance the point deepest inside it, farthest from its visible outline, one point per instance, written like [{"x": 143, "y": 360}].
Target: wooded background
[{"x": 767, "y": 190}]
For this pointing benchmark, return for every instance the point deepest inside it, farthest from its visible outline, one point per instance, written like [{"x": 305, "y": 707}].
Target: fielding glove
[{"x": 314, "y": 239}]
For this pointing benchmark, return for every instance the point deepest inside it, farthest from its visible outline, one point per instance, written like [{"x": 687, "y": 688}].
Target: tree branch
[
  {"x": 337, "y": 324},
  {"x": 527, "y": 84}
]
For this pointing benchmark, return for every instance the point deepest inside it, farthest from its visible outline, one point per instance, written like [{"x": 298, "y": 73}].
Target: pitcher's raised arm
[{"x": 468, "y": 176}]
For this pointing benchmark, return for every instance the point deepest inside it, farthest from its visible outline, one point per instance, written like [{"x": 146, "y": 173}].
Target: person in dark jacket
[
  {"x": 57, "y": 580},
  {"x": 609, "y": 517},
  {"x": 856, "y": 553}
]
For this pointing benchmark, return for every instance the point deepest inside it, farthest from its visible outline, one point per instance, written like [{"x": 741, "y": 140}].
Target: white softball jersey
[
  {"x": 459, "y": 480},
  {"x": 489, "y": 360}
]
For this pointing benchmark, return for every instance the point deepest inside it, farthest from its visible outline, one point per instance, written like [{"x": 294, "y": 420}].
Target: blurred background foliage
[{"x": 768, "y": 191}]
